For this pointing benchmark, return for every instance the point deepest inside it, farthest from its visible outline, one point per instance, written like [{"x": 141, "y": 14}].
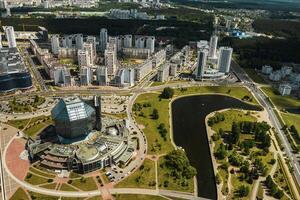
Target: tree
[
  {"x": 36, "y": 99},
  {"x": 243, "y": 191},
  {"x": 155, "y": 114},
  {"x": 221, "y": 152},
  {"x": 167, "y": 93},
  {"x": 235, "y": 133},
  {"x": 178, "y": 164}
]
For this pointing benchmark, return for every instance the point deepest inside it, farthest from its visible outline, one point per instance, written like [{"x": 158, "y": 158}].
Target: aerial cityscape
[{"x": 149, "y": 100}]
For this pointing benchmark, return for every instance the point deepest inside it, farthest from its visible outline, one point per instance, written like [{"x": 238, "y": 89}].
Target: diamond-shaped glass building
[{"x": 73, "y": 118}]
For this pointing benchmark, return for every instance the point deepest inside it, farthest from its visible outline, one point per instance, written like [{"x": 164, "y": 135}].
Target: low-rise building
[
  {"x": 266, "y": 69},
  {"x": 286, "y": 70},
  {"x": 275, "y": 76},
  {"x": 285, "y": 89}
]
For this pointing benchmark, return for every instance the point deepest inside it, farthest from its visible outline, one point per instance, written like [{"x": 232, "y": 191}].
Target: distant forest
[
  {"x": 281, "y": 28},
  {"x": 244, "y": 4},
  {"x": 256, "y": 52},
  {"x": 181, "y": 32}
]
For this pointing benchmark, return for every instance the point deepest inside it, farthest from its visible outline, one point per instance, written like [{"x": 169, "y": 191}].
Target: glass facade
[{"x": 73, "y": 118}]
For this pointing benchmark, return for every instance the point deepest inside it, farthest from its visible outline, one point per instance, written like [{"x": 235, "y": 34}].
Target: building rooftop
[
  {"x": 72, "y": 108},
  {"x": 11, "y": 61}
]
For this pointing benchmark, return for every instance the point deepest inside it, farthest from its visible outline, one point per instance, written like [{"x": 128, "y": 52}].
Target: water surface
[{"x": 188, "y": 117}]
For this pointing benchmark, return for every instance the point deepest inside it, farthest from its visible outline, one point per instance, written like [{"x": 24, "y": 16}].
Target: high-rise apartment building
[
  {"x": 83, "y": 58},
  {"x": 103, "y": 39},
  {"x": 213, "y": 46},
  {"x": 224, "y": 61},
  {"x": 201, "y": 63},
  {"x": 55, "y": 44},
  {"x": 10, "y": 36}
]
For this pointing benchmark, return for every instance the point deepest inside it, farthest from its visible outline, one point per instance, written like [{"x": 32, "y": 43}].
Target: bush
[
  {"x": 167, "y": 93},
  {"x": 166, "y": 183},
  {"x": 243, "y": 191},
  {"x": 155, "y": 114}
]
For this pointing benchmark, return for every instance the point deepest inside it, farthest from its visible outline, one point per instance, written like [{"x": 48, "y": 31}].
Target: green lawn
[
  {"x": 224, "y": 177},
  {"x": 260, "y": 192},
  {"x": 292, "y": 119},
  {"x": 26, "y": 106},
  {"x": 237, "y": 92},
  {"x": 157, "y": 84},
  {"x": 232, "y": 116},
  {"x": 254, "y": 76},
  {"x": 163, "y": 175},
  {"x": 37, "y": 196},
  {"x": 67, "y": 187},
  {"x": 138, "y": 197},
  {"x": 281, "y": 102},
  {"x": 42, "y": 173},
  {"x": 142, "y": 178},
  {"x": 37, "y": 124},
  {"x": 19, "y": 124},
  {"x": 280, "y": 180},
  {"x": 34, "y": 179},
  {"x": 20, "y": 194},
  {"x": 236, "y": 183},
  {"x": 74, "y": 175},
  {"x": 156, "y": 144},
  {"x": 87, "y": 184},
  {"x": 95, "y": 198},
  {"x": 49, "y": 186}
]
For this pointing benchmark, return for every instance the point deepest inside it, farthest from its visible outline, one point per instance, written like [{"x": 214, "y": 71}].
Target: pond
[{"x": 189, "y": 130}]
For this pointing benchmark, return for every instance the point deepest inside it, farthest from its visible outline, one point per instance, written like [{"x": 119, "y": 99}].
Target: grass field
[
  {"x": 237, "y": 92},
  {"x": 292, "y": 119},
  {"x": 19, "y": 195},
  {"x": 95, "y": 198},
  {"x": 254, "y": 76},
  {"x": 163, "y": 175},
  {"x": 49, "y": 186},
  {"x": 19, "y": 124},
  {"x": 230, "y": 117},
  {"x": 36, "y": 124},
  {"x": 37, "y": 196},
  {"x": 87, "y": 184},
  {"x": 26, "y": 106},
  {"x": 280, "y": 180},
  {"x": 156, "y": 144},
  {"x": 42, "y": 173},
  {"x": 236, "y": 183},
  {"x": 66, "y": 187},
  {"x": 142, "y": 178},
  {"x": 34, "y": 179},
  {"x": 138, "y": 197},
  {"x": 281, "y": 102},
  {"x": 224, "y": 177}
]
